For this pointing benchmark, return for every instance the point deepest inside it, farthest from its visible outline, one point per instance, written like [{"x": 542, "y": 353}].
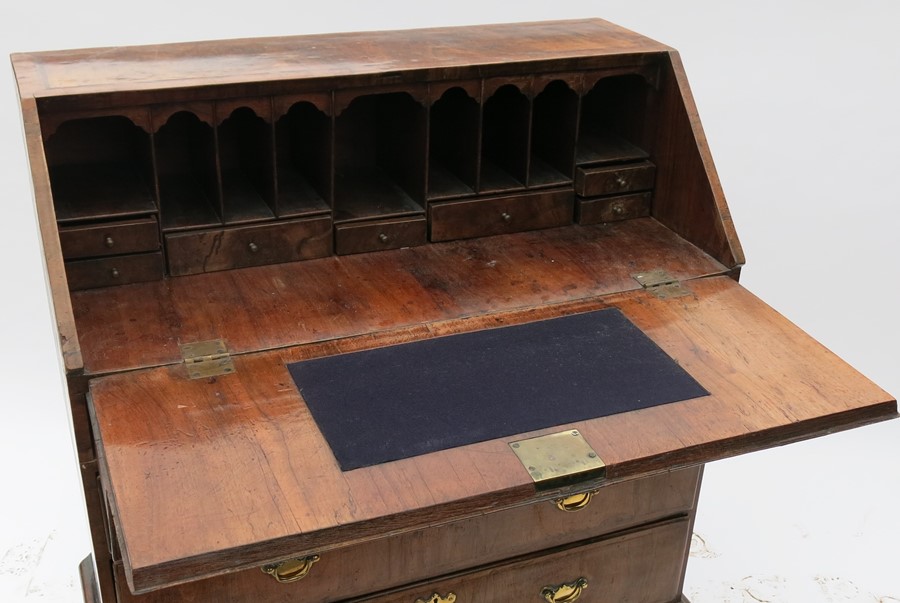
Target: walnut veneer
[{"x": 307, "y": 196}]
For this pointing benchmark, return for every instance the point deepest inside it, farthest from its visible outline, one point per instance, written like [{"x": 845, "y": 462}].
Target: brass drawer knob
[
  {"x": 436, "y": 598},
  {"x": 290, "y": 570},
  {"x": 108, "y": 241},
  {"x": 253, "y": 247},
  {"x": 114, "y": 273},
  {"x": 383, "y": 238},
  {"x": 621, "y": 181},
  {"x": 506, "y": 217},
  {"x": 576, "y": 502},
  {"x": 564, "y": 593}
]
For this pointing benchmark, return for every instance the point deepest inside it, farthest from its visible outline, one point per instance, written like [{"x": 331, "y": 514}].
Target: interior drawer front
[
  {"x": 360, "y": 237},
  {"x": 500, "y": 215},
  {"x": 118, "y": 270},
  {"x": 242, "y": 246},
  {"x": 612, "y": 180},
  {"x": 403, "y": 559},
  {"x": 613, "y": 209},
  {"x": 111, "y": 238},
  {"x": 643, "y": 566}
]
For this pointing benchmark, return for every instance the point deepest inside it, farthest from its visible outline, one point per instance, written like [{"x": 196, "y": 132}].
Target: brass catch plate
[
  {"x": 206, "y": 358},
  {"x": 559, "y": 458}
]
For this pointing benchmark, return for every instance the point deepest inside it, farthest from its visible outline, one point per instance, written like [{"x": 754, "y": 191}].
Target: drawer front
[
  {"x": 613, "y": 180},
  {"x": 360, "y": 237},
  {"x": 118, "y": 270},
  {"x": 404, "y": 559},
  {"x": 242, "y": 246},
  {"x": 500, "y": 215},
  {"x": 640, "y": 567},
  {"x": 613, "y": 209},
  {"x": 111, "y": 238}
]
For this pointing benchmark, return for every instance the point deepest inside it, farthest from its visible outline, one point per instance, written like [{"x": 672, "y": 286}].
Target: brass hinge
[
  {"x": 661, "y": 284},
  {"x": 206, "y": 358}
]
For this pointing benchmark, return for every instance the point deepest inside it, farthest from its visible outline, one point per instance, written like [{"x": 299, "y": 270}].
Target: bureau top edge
[{"x": 309, "y": 57}]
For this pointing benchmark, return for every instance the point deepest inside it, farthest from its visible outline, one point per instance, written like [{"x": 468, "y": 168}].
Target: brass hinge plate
[
  {"x": 661, "y": 284},
  {"x": 559, "y": 458},
  {"x": 206, "y": 359}
]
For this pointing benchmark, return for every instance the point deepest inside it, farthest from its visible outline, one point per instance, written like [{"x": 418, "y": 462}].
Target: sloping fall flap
[{"x": 207, "y": 476}]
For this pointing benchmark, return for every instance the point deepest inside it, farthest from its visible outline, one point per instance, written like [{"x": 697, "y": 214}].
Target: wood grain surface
[
  {"x": 640, "y": 566},
  {"x": 315, "y": 300},
  {"x": 396, "y": 561},
  {"x": 457, "y": 50},
  {"x": 210, "y": 476}
]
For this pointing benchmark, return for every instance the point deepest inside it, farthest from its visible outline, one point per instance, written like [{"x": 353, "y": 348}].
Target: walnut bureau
[{"x": 214, "y": 212}]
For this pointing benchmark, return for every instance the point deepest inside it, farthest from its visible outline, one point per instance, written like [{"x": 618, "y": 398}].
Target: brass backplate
[
  {"x": 206, "y": 358},
  {"x": 559, "y": 458}
]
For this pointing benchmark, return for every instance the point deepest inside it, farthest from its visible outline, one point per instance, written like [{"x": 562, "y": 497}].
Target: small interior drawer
[
  {"x": 612, "y": 180},
  {"x": 118, "y": 270},
  {"x": 403, "y": 559},
  {"x": 613, "y": 209},
  {"x": 253, "y": 245},
  {"x": 642, "y": 565},
  {"x": 360, "y": 237},
  {"x": 500, "y": 215},
  {"x": 109, "y": 238}
]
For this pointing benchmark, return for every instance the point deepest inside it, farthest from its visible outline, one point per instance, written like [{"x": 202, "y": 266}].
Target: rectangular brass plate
[
  {"x": 559, "y": 458},
  {"x": 661, "y": 284},
  {"x": 206, "y": 359}
]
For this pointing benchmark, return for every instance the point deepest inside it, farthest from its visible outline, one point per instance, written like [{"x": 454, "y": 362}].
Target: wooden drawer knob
[
  {"x": 564, "y": 593},
  {"x": 436, "y": 598},
  {"x": 290, "y": 570}
]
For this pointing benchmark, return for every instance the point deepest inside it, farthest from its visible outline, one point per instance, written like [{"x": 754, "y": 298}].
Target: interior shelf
[
  {"x": 609, "y": 148},
  {"x": 380, "y": 157},
  {"x": 246, "y": 159},
  {"x": 186, "y": 168},
  {"x": 99, "y": 190},
  {"x": 100, "y": 168},
  {"x": 613, "y": 127},
  {"x": 553, "y": 132},
  {"x": 370, "y": 193},
  {"x": 504, "y": 143},
  {"x": 303, "y": 156},
  {"x": 453, "y": 146}
]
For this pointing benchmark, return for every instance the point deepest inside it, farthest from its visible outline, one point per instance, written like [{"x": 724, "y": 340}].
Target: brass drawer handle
[
  {"x": 621, "y": 181},
  {"x": 436, "y": 598},
  {"x": 506, "y": 217},
  {"x": 383, "y": 238},
  {"x": 108, "y": 241},
  {"x": 290, "y": 570},
  {"x": 576, "y": 502},
  {"x": 564, "y": 593},
  {"x": 253, "y": 247}
]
